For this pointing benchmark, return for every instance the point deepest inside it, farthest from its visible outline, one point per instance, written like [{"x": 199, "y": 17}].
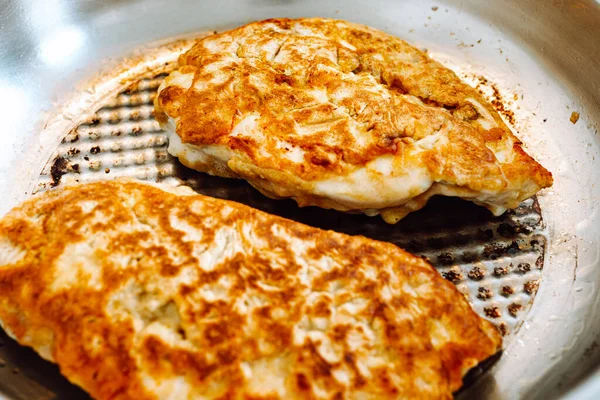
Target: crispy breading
[
  {"x": 139, "y": 291},
  {"x": 343, "y": 116}
]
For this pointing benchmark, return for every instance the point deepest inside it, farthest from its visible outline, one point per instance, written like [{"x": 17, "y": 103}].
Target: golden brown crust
[
  {"x": 137, "y": 292},
  {"x": 316, "y": 99}
]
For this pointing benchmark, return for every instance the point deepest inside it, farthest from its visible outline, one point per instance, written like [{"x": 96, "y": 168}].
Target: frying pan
[{"x": 74, "y": 73}]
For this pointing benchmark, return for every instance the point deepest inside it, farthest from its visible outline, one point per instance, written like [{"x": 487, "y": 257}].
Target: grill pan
[{"x": 99, "y": 125}]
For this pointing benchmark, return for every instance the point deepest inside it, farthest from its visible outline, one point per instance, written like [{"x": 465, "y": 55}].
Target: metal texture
[{"x": 539, "y": 62}]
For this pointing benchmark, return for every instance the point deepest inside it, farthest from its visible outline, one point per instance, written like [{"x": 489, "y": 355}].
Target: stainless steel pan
[{"x": 74, "y": 110}]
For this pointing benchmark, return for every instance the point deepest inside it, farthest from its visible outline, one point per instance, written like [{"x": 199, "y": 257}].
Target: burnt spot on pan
[{"x": 58, "y": 169}]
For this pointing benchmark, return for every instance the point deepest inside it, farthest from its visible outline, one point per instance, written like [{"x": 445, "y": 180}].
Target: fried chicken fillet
[
  {"x": 139, "y": 291},
  {"x": 340, "y": 115}
]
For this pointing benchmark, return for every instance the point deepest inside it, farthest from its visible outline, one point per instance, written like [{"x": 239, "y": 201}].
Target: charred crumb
[
  {"x": 514, "y": 308},
  {"x": 479, "y": 41},
  {"x": 507, "y": 291},
  {"x": 495, "y": 250},
  {"x": 106, "y": 170},
  {"x": 513, "y": 248},
  {"x": 492, "y": 312},
  {"x": 94, "y": 121},
  {"x": 497, "y": 100},
  {"x": 545, "y": 119},
  {"x": 524, "y": 267},
  {"x": 95, "y": 150},
  {"x": 500, "y": 271},
  {"x": 452, "y": 276},
  {"x": 136, "y": 130},
  {"x": 476, "y": 274},
  {"x": 531, "y": 287},
  {"x": 59, "y": 167},
  {"x": 75, "y": 168},
  {"x": 574, "y": 117},
  {"x": 536, "y": 246},
  {"x": 434, "y": 8},
  {"x": 503, "y": 328},
  {"x": 73, "y": 151},
  {"x": 484, "y": 293}
]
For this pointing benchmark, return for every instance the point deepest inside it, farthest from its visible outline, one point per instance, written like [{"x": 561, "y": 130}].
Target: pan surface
[{"x": 76, "y": 111}]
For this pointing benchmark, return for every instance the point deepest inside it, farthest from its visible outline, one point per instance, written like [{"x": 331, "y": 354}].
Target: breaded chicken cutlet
[
  {"x": 139, "y": 291},
  {"x": 343, "y": 116}
]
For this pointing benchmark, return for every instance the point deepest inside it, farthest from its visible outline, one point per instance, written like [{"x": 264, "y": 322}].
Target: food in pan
[
  {"x": 139, "y": 291},
  {"x": 343, "y": 116}
]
